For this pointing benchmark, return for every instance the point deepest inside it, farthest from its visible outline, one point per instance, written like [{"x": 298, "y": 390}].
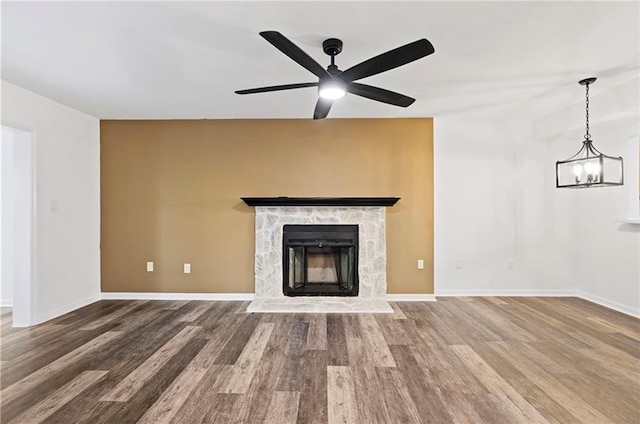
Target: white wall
[
  {"x": 496, "y": 202},
  {"x": 604, "y": 250},
  {"x": 490, "y": 212},
  {"x": 67, "y": 172},
  {"x": 6, "y": 285}
]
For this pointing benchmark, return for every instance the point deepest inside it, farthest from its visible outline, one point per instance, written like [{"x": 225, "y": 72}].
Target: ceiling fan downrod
[{"x": 332, "y": 47}]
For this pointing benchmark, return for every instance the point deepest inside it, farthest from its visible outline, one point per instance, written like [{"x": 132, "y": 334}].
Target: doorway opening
[{"x": 17, "y": 225}]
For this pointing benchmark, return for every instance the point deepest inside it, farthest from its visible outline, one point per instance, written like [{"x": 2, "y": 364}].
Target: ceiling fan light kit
[
  {"x": 589, "y": 167},
  {"x": 332, "y": 89},
  {"x": 333, "y": 83}
]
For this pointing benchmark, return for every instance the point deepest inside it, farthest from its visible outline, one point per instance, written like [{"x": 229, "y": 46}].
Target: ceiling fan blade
[
  {"x": 389, "y": 60},
  {"x": 323, "y": 106},
  {"x": 277, "y": 88},
  {"x": 287, "y": 47},
  {"x": 380, "y": 94}
]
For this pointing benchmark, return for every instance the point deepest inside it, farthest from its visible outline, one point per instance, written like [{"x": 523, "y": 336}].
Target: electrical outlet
[
  {"x": 149, "y": 266},
  {"x": 459, "y": 264},
  {"x": 420, "y": 263},
  {"x": 187, "y": 268},
  {"x": 511, "y": 266},
  {"x": 54, "y": 206}
]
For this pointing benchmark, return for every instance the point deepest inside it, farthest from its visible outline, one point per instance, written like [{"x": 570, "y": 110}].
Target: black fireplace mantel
[{"x": 320, "y": 201}]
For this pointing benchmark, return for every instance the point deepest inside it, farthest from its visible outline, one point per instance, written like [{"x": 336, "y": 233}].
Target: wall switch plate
[
  {"x": 187, "y": 268},
  {"x": 420, "y": 263},
  {"x": 54, "y": 206},
  {"x": 459, "y": 264},
  {"x": 511, "y": 266},
  {"x": 149, "y": 266}
]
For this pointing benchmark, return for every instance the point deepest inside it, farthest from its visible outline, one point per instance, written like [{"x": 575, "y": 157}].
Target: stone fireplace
[{"x": 321, "y": 269}]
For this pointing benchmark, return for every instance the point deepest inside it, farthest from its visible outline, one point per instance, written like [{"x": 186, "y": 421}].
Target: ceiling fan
[{"x": 333, "y": 83}]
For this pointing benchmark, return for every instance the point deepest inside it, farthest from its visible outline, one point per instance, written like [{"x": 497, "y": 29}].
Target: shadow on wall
[{"x": 629, "y": 228}]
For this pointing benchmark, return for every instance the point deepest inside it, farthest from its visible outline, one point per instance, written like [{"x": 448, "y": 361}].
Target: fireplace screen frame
[{"x": 323, "y": 237}]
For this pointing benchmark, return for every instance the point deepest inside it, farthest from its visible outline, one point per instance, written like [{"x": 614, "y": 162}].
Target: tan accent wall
[{"x": 171, "y": 194}]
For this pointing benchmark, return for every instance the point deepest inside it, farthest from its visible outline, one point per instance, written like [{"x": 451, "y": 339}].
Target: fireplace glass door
[{"x": 321, "y": 267}]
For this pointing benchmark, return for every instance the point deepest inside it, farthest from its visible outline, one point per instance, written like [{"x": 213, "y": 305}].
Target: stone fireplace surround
[{"x": 371, "y": 222}]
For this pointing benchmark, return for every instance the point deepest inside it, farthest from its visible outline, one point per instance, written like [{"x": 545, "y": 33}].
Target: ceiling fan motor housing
[{"x": 332, "y": 46}]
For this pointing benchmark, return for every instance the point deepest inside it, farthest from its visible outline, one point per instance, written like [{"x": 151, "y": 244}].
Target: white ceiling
[{"x": 146, "y": 60}]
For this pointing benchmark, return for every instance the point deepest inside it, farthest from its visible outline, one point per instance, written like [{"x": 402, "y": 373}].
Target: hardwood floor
[{"x": 458, "y": 360}]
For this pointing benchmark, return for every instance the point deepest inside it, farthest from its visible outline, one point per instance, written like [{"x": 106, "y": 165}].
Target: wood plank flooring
[{"x": 458, "y": 360}]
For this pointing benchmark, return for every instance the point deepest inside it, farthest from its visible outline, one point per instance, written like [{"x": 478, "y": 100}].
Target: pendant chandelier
[{"x": 589, "y": 167}]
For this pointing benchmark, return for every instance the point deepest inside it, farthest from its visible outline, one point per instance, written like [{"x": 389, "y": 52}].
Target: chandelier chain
[{"x": 587, "y": 136}]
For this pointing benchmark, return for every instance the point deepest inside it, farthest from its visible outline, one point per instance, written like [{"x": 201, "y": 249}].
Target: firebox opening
[{"x": 320, "y": 260}]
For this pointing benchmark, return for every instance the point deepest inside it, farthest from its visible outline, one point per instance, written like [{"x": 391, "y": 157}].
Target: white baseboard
[
  {"x": 44, "y": 317},
  {"x": 176, "y": 296},
  {"x": 411, "y": 298},
  {"x": 390, "y": 297},
  {"x": 235, "y": 296},
  {"x": 6, "y": 303},
  {"x": 616, "y": 306},
  {"x": 507, "y": 293}
]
